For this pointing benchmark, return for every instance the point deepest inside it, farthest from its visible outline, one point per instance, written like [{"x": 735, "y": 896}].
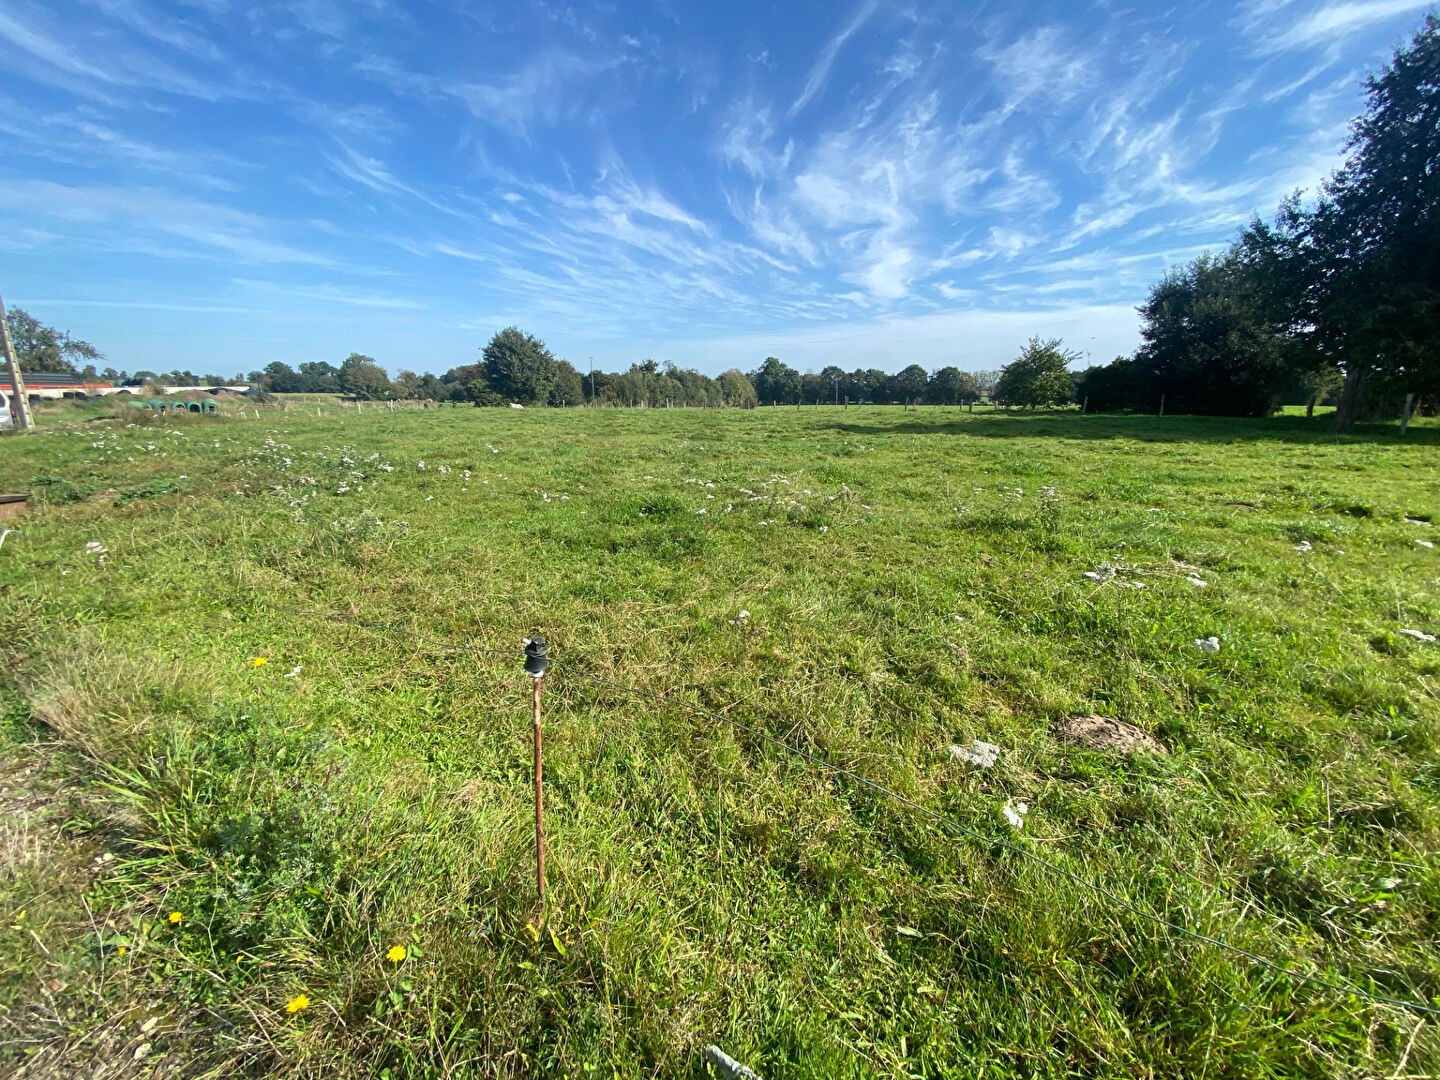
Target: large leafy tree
[
  {"x": 736, "y": 389},
  {"x": 519, "y": 367},
  {"x": 951, "y": 386},
  {"x": 319, "y": 377},
  {"x": 1210, "y": 342},
  {"x": 43, "y": 348},
  {"x": 776, "y": 381},
  {"x": 281, "y": 378},
  {"x": 1038, "y": 377},
  {"x": 908, "y": 384},
  {"x": 1375, "y": 235},
  {"x": 1111, "y": 388},
  {"x": 361, "y": 377},
  {"x": 568, "y": 389}
]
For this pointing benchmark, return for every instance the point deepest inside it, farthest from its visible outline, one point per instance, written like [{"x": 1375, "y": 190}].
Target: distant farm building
[{"x": 54, "y": 385}]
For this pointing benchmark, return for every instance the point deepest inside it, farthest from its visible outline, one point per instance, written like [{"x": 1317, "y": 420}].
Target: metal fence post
[{"x": 536, "y": 663}]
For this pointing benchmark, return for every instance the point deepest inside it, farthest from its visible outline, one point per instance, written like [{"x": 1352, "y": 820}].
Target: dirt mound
[{"x": 1105, "y": 733}]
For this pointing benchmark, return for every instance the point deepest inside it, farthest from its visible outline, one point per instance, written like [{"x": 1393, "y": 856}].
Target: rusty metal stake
[
  {"x": 539, "y": 800},
  {"x": 536, "y": 663}
]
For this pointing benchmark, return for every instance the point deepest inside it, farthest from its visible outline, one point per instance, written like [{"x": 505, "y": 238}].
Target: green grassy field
[{"x": 912, "y": 581}]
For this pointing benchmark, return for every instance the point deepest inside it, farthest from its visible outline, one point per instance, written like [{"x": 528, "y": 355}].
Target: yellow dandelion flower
[
  {"x": 259, "y": 661},
  {"x": 298, "y": 1002},
  {"x": 121, "y": 951},
  {"x": 175, "y": 918},
  {"x": 240, "y": 959},
  {"x": 396, "y": 954}
]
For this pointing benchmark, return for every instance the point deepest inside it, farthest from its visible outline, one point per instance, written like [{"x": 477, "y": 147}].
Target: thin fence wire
[{"x": 449, "y": 648}]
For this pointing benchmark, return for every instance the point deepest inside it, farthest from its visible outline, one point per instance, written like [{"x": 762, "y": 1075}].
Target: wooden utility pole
[{"x": 17, "y": 381}]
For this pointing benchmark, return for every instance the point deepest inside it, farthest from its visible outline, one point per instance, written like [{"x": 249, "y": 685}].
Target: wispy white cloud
[
  {"x": 42, "y": 48},
  {"x": 545, "y": 87},
  {"x": 1041, "y": 68},
  {"x": 1278, "y": 27},
  {"x": 820, "y": 70},
  {"x": 208, "y": 229},
  {"x": 342, "y": 295}
]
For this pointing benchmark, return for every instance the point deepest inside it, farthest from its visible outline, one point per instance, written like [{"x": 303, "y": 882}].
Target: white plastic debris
[
  {"x": 1015, "y": 814},
  {"x": 1304, "y": 546},
  {"x": 1209, "y": 644},
  {"x": 1418, "y": 635},
  {"x": 4, "y": 533},
  {"x": 1197, "y": 581},
  {"x": 292, "y": 672},
  {"x": 1424, "y": 543},
  {"x": 94, "y": 547},
  {"x": 979, "y": 753},
  {"x": 1101, "y": 573}
]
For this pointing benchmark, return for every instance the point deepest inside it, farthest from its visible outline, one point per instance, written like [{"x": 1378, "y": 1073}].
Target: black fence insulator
[{"x": 536, "y": 662}]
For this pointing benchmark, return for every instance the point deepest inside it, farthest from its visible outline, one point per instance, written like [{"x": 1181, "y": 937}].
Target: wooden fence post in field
[{"x": 535, "y": 664}]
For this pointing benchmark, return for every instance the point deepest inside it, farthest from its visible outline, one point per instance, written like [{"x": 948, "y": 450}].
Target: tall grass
[{"x": 912, "y": 580}]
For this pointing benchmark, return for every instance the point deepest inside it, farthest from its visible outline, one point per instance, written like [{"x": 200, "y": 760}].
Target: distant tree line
[
  {"x": 1337, "y": 298},
  {"x": 517, "y": 367}
]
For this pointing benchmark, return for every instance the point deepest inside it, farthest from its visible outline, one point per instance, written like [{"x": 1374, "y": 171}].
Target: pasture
[{"x": 272, "y": 724}]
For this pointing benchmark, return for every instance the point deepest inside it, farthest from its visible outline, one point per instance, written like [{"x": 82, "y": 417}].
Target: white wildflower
[
  {"x": 1015, "y": 814},
  {"x": 979, "y": 753}
]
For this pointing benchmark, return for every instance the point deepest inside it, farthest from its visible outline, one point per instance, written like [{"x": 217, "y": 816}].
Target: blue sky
[{"x": 215, "y": 184}]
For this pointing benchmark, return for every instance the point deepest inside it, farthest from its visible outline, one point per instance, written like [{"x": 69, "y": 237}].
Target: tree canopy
[
  {"x": 43, "y": 348},
  {"x": 361, "y": 377},
  {"x": 1348, "y": 286},
  {"x": 1038, "y": 377},
  {"x": 518, "y": 367}
]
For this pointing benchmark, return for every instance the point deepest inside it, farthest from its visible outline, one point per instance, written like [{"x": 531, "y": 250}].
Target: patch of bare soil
[{"x": 1106, "y": 733}]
